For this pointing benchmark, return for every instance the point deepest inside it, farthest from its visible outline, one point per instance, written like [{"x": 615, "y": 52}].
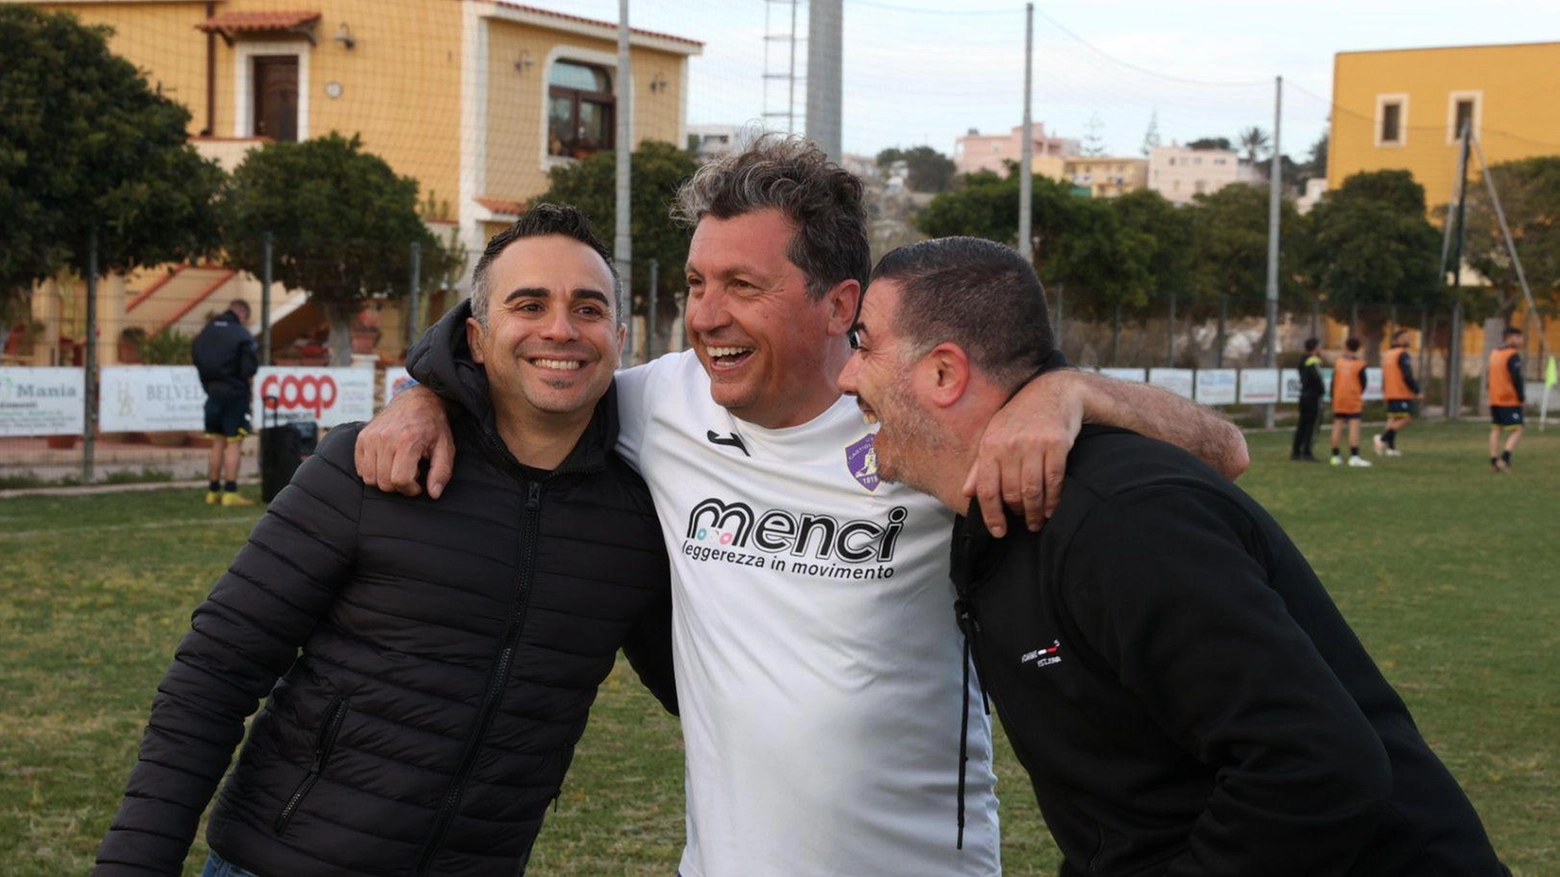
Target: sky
[{"x": 923, "y": 72}]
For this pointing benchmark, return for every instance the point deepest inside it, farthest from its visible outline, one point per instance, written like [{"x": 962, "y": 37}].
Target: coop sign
[
  {"x": 42, "y": 401},
  {"x": 151, "y": 398},
  {"x": 328, "y": 396}
]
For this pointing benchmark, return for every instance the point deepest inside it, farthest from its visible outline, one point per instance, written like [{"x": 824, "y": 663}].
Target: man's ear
[
  {"x": 844, "y": 299},
  {"x": 474, "y": 338},
  {"x": 946, "y": 375}
]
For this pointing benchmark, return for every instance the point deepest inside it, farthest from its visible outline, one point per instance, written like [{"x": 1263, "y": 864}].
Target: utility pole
[
  {"x": 1454, "y": 363},
  {"x": 90, "y": 376},
  {"x": 622, "y": 248},
  {"x": 1275, "y": 198},
  {"x": 825, "y": 35},
  {"x": 1026, "y": 194},
  {"x": 265, "y": 302}
]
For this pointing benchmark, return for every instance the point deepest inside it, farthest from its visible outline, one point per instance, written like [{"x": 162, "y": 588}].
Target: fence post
[
  {"x": 414, "y": 312},
  {"x": 89, "y": 377},
  {"x": 1170, "y": 335},
  {"x": 652, "y": 326},
  {"x": 265, "y": 302},
  {"x": 1061, "y": 291},
  {"x": 1115, "y": 336},
  {"x": 1224, "y": 315}
]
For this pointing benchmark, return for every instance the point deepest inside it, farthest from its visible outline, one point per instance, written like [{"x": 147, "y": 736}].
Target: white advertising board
[
  {"x": 1216, "y": 386},
  {"x": 151, "y": 398},
  {"x": 1126, "y": 374},
  {"x": 1373, "y": 385},
  {"x": 327, "y": 396},
  {"x": 396, "y": 380},
  {"x": 1176, "y": 380},
  {"x": 1259, "y": 386},
  {"x": 42, "y": 401}
]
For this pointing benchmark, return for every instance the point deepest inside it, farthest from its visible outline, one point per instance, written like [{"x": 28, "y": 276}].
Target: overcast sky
[{"x": 916, "y": 72}]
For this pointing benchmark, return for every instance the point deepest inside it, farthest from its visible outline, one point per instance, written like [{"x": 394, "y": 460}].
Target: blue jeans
[{"x": 216, "y": 866}]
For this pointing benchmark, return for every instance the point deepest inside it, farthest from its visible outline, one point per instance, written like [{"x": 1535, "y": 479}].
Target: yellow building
[
  {"x": 475, "y": 99},
  {"x": 1106, "y": 177},
  {"x": 1403, "y": 109}
]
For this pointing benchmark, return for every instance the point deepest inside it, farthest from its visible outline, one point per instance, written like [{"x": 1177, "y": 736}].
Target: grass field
[{"x": 1450, "y": 575}]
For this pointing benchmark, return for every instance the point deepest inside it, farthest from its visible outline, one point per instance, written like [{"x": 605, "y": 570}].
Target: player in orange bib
[
  {"x": 1506, "y": 398},
  {"x": 1400, "y": 390},
  {"x": 1348, "y": 402}
]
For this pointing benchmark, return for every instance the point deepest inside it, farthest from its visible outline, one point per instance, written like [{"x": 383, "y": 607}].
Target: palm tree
[{"x": 1255, "y": 142}]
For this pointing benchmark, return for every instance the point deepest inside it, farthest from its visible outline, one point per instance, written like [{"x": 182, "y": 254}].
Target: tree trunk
[{"x": 340, "y": 342}]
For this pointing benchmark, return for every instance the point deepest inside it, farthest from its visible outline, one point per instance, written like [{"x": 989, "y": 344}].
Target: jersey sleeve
[
  {"x": 1514, "y": 367},
  {"x": 1406, "y": 366},
  {"x": 1169, "y": 586}
]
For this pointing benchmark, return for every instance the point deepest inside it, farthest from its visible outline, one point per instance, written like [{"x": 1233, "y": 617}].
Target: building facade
[
  {"x": 989, "y": 152},
  {"x": 1180, "y": 173},
  {"x": 1404, "y": 108},
  {"x": 1106, "y": 177}
]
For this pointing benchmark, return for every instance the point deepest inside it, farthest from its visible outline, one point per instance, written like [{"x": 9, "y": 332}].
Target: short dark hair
[
  {"x": 1511, "y": 330},
  {"x": 1399, "y": 333},
  {"x": 976, "y": 293},
  {"x": 1353, "y": 344},
  {"x": 542, "y": 219},
  {"x": 240, "y": 303},
  {"x": 1311, "y": 344},
  {"x": 790, "y": 174}
]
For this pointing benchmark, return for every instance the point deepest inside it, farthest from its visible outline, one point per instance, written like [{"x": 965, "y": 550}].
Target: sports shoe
[
  {"x": 1501, "y": 467},
  {"x": 213, "y": 497},
  {"x": 235, "y": 499},
  {"x": 1379, "y": 445},
  {"x": 1394, "y": 452},
  {"x": 1337, "y": 460},
  {"x": 1360, "y": 463}
]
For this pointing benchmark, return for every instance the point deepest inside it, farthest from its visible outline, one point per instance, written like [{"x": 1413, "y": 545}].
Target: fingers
[
  {"x": 400, "y": 461},
  {"x": 442, "y": 465}
]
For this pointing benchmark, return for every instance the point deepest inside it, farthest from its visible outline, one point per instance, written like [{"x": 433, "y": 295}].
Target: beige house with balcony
[
  {"x": 475, "y": 99},
  {"x": 1180, "y": 173},
  {"x": 1106, "y": 177}
]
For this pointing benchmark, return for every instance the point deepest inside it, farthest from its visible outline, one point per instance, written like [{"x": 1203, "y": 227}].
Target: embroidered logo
[
  {"x": 1043, "y": 657},
  {"x": 861, "y": 459},
  {"x": 732, "y": 440}
]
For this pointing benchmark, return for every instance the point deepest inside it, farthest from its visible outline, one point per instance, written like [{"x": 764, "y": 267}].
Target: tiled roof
[
  {"x": 249, "y": 22},
  {"x": 502, "y": 206},
  {"x": 612, "y": 24}
]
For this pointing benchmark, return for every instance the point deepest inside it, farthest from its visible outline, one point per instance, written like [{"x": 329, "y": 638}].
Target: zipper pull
[{"x": 533, "y": 496}]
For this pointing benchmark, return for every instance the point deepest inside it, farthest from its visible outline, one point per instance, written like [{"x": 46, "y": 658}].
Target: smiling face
[
  {"x": 771, "y": 352},
  {"x": 552, "y": 341},
  {"x": 883, "y": 379}
]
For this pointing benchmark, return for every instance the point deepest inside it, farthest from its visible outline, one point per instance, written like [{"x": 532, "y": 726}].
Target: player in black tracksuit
[
  {"x": 1311, "y": 389},
  {"x": 1185, "y": 695}
]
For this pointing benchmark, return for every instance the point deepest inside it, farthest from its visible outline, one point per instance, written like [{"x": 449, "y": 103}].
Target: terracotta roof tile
[
  {"x": 240, "y": 22},
  {"x": 502, "y": 205},
  {"x": 612, "y": 24}
]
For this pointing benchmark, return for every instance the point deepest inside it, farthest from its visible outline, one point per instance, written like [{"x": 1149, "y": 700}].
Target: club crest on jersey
[{"x": 861, "y": 459}]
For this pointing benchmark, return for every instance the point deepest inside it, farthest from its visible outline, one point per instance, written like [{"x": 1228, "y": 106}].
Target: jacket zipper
[
  {"x": 496, "y": 680},
  {"x": 323, "y": 744}
]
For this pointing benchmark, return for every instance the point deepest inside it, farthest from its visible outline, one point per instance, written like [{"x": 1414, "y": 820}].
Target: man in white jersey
[{"x": 820, "y": 672}]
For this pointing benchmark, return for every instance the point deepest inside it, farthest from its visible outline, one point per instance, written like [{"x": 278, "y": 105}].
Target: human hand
[
  {"x": 392, "y": 446},
  {"x": 1022, "y": 457}
]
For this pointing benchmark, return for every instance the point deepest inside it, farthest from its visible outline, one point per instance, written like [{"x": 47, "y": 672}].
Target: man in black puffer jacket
[{"x": 450, "y": 651}]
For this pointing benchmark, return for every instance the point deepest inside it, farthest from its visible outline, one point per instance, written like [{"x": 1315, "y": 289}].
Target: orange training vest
[
  {"x": 1347, "y": 395},
  {"x": 1502, "y": 391},
  {"x": 1392, "y": 384}
]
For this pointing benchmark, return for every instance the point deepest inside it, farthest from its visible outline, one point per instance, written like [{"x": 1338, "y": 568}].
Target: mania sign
[
  {"x": 328, "y": 396},
  {"x": 42, "y": 401}
]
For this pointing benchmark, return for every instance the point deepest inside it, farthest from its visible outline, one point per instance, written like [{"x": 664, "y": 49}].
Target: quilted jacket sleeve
[{"x": 241, "y": 640}]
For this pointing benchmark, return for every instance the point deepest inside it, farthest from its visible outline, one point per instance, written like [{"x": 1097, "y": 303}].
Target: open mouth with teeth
[
  {"x": 566, "y": 365},
  {"x": 727, "y": 357},
  {"x": 867, "y": 413}
]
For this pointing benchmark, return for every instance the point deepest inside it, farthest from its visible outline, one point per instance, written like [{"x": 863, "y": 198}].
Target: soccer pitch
[{"x": 1450, "y": 575}]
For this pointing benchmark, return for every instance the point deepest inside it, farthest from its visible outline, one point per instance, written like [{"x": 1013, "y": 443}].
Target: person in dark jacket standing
[
  {"x": 1311, "y": 388},
  {"x": 430, "y": 667},
  {"x": 225, "y": 357},
  {"x": 1184, "y": 694}
]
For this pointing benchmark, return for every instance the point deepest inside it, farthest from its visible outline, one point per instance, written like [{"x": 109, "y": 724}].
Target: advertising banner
[
  {"x": 1176, "y": 380},
  {"x": 151, "y": 398},
  {"x": 396, "y": 380},
  {"x": 1259, "y": 386},
  {"x": 42, "y": 401},
  {"x": 1126, "y": 374},
  {"x": 1216, "y": 386},
  {"x": 1372, "y": 385},
  {"x": 328, "y": 396}
]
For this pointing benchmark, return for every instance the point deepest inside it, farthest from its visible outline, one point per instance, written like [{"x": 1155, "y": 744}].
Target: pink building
[{"x": 987, "y": 152}]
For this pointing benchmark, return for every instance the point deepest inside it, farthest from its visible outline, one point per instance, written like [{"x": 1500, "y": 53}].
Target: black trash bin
[{"x": 283, "y": 447}]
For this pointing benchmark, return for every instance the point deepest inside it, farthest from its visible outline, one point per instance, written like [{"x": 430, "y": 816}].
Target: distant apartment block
[
  {"x": 712, "y": 141},
  {"x": 1106, "y": 177},
  {"x": 1179, "y": 173},
  {"x": 1403, "y": 108},
  {"x": 987, "y": 152}
]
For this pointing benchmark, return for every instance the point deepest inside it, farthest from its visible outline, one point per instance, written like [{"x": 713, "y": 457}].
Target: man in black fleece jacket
[
  {"x": 1183, "y": 692},
  {"x": 430, "y": 667}
]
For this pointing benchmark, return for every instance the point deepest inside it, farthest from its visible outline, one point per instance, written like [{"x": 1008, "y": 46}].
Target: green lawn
[{"x": 1451, "y": 576}]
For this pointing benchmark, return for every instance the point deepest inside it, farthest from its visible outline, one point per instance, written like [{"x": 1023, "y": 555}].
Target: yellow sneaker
[
  {"x": 213, "y": 497},
  {"x": 235, "y": 499}
]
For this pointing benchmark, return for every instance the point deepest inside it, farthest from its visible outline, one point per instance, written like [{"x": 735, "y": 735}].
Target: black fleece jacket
[
  {"x": 430, "y": 665},
  {"x": 1185, "y": 695}
]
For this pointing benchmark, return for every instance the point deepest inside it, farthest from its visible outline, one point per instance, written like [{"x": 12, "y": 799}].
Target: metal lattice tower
[{"x": 780, "y": 74}]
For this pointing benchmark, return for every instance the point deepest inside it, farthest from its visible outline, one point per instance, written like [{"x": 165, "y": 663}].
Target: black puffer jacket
[{"x": 450, "y": 654}]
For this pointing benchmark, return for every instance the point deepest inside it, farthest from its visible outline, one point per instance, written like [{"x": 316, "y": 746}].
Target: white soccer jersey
[{"x": 818, "y": 659}]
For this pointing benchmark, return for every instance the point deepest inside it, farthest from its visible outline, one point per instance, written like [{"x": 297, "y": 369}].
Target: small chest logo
[
  {"x": 1045, "y": 657},
  {"x": 861, "y": 459}
]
